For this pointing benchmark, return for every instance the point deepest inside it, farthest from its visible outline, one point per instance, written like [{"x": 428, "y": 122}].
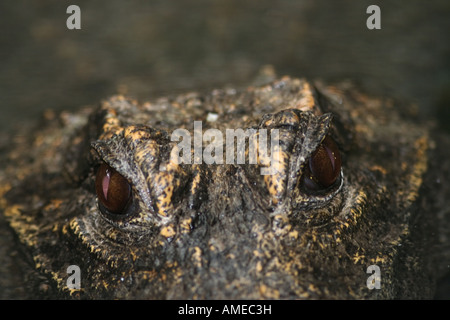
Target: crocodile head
[{"x": 277, "y": 191}]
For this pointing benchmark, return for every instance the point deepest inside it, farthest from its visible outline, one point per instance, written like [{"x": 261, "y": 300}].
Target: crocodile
[{"x": 150, "y": 200}]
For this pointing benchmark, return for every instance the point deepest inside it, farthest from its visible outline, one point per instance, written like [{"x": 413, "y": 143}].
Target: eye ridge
[
  {"x": 113, "y": 191},
  {"x": 323, "y": 168}
]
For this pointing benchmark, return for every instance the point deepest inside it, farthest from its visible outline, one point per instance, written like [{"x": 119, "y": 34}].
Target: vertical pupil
[{"x": 113, "y": 190}]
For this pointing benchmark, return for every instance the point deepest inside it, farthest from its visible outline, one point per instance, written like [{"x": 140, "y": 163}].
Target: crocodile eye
[
  {"x": 324, "y": 166},
  {"x": 113, "y": 190}
]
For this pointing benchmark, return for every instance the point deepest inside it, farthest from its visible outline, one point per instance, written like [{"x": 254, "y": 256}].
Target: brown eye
[
  {"x": 324, "y": 166},
  {"x": 113, "y": 190}
]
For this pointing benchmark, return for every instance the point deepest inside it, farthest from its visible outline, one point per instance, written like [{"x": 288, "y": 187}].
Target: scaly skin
[{"x": 198, "y": 230}]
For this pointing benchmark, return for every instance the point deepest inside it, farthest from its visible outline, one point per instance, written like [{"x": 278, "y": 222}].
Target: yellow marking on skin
[
  {"x": 274, "y": 181},
  {"x": 197, "y": 256},
  {"x": 111, "y": 125},
  {"x": 357, "y": 258},
  {"x": 65, "y": 229},
  {"x": 3, "y": 190},
  {"x": 168, "y": 178},
  {"x": 164, "y": 200},
  {"x": 185, "y": 225},
  {"x": 147, "y": 150},
  {"x": 165, "y": 179},
  {"x": 168, "y": 231},
  {"x": 212, "y": 248},
  {"x": 111, "y": 122},
  {"x": 293, "y": 235},
  {"x": 110, "y": 131},
  {"x": 113, "y": 234},
  {"x": 195, "y": 183},
  {"x": 419, "y": 168},
  {"x": 105, "y": 284},
  {"x": 257, "y": 253},
  {"x": 355, "y": 212},
  {"x": 148, "y": 274},
  {"x": 307, "y": 102},
  {"x": 172, "y": 166},
  {"x": 269, "y": 293},
  {"x": 274, "y": 162},
  {"x": 259, "y": 266},
  {"x": 133, "y": 255},
  {"x": 60, "y": 281},
  {"x": 22, "y": 224},
  {"x": 290, "y": 118},
  {"x": 74, "y": 226},
  {"x": 55, "y": 276},
  {"x": 56, "y": 227},
  {"x": 132, "y": 133},
  {"x": 73, "y": 292},
  {"x": 379, "y": 259},
  {"x": 54, "y": 204},
  {"x": 281, "y": 225},
  {"x": 231, "y": 256},
  {"x": 378, "y": 168},
  {"x": 312, "y": 288},
  {"x": 171, "y": 264}
]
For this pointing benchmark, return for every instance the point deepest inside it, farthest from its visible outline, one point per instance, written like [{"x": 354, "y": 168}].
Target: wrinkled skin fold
[{"x": 197, "y": 230}]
